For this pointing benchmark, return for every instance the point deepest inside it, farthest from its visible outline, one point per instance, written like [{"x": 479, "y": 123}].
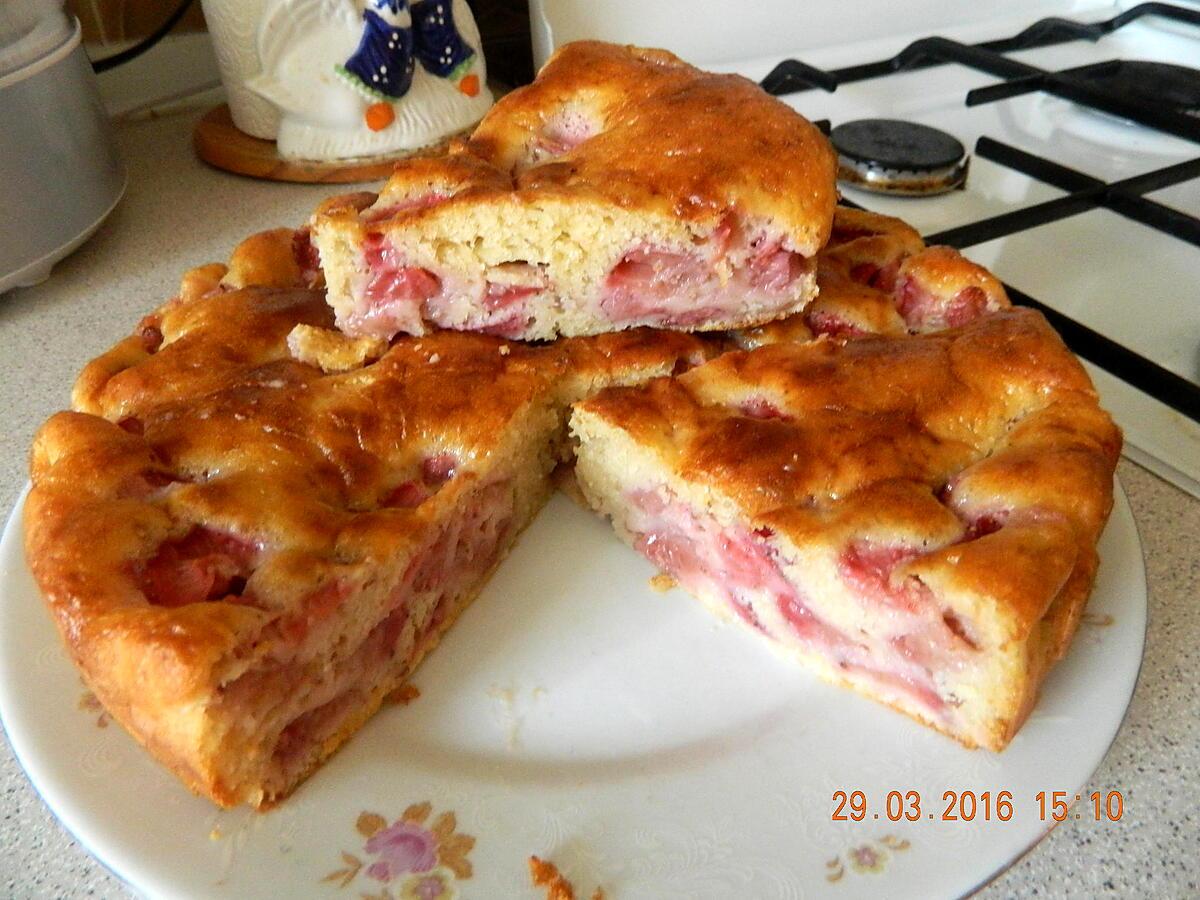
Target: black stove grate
[{"x": 1083, "y": 192}]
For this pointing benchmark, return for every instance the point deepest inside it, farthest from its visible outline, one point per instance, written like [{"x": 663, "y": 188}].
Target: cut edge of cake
[{"x": 990, "y": 591}]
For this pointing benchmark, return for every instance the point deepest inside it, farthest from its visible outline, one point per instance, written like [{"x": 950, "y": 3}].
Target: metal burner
[{"x": 891, "y": 156}]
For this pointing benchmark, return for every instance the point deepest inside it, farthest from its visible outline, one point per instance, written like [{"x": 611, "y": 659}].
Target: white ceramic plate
[{"x": 576, "y": 714}]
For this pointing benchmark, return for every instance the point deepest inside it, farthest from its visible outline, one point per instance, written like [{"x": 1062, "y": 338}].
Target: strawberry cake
[
  {"x": 246, "y": 552},
  {"x": 914, "y": 517},
  {"x": 610, "y": 193},
  {"x": 273, "y": 498}
]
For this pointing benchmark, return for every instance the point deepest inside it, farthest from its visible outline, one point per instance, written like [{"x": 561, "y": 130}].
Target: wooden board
[{"x": 221, "y": 144}]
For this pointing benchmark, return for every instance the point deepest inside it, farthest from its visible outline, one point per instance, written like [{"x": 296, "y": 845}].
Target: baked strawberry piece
[
  {"x": 610, "y": 193},
  {"x": 915, "y": 517},
  {"x": 876, "y": 276},
  {"x": 246, "y": 551}
]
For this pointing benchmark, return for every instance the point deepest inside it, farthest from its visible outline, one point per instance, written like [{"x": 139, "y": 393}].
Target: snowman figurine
[{"x": 351, "y": 79}]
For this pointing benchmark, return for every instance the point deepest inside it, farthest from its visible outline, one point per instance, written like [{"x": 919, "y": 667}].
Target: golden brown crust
[
  {"x": 660, "y": 142},
  {"x": 266, "y": 259},
  {"x": 331, "y": 351},
  {"x": 999, "y": 406},
  {"x": 458, "y": 174},
  {"x": 663, "y": 140}
]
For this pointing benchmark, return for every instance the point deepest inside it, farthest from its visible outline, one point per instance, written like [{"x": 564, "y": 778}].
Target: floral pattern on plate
[
  {"x": 413, "y": 858},
  {"x": 870, "y": 858}
]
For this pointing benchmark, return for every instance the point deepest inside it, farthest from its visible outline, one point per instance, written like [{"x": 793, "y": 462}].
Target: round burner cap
[{"x": 897, "y": 157}]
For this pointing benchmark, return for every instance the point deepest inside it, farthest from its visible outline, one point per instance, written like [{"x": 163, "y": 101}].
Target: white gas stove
[{"x": 1090, "y": 215}]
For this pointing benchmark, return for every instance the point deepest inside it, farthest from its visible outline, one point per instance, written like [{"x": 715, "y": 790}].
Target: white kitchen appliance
[
  {"x": 60, "y": 175},
  {"x": 1084, "y": 186}
]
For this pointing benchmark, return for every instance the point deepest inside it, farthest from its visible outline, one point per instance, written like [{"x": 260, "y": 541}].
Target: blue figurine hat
[
  {"x": 395, "y": 35},
  {"x": 382, "y": 66}
]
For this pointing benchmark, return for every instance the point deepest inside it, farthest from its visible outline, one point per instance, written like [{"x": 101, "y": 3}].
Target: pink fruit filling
[
  {"x": 505, "y": 296},
  {"x": 397, "y": 297},
  {"x": 910, "y": 639},
  {"x": 980, "y": 522},
  {"x": 150, "y": 334},
  {"x": 505, "y": 309},
  {"x": 720, "y": 278},
  {"x": 297, "y": 700},
  {"x": 562, "y": 134},
  {"x": 655, "y": 286},
  {"x": 762, "y": 408},
  {"x": 823, "y": 322},
  {"x": 867, "y": 568},
  {"x": 681, "y": 544},
  {"x": 917, "y": 628},
  {"x": 439, "y": 468},
  {"x": 923, "y": 310},
  {"x": 394, "y": 293},
  {"x": 985, "y": 524},
  {"x": 434, "y": 472},
  {"x": 408, "y": 494},
  {"x": 469, "y": 544},
  {"x": 203, "y": 565},
  {"x": 306, "y": 255}
]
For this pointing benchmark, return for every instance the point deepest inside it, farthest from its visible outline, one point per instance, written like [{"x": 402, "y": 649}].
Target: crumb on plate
[
  {"x": 545, "y": 874},
  {"x": 662, "y": 582},
  {"x": 404, "y": 695}
]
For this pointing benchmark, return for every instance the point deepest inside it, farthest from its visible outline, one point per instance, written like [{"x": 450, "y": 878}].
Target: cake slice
[
  {"x": 245, "y": 552},
  {"x": 915, "y": 517},
  {"x": 623, "y": 187},
  {"x": 876, "y": 276}
]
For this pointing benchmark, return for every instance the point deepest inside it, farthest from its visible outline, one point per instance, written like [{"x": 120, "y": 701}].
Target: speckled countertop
[{"x": 178, "y": 213}]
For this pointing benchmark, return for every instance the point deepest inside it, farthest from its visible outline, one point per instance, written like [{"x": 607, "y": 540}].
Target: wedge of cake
[
  {"x": 913, "y": 517},
  {"x": 623, "y": 187},
  {"x": 876, "y": 276},
  {"x": 245, "y": 552}
]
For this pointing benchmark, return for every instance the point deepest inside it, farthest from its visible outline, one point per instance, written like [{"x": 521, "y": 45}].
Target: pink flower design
[
  {"x": 424, "y": 858},
  {"x": 865, "y": 856},
  {"x": 867, "y": 859},
  {"x": 402, "y": 847}
]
